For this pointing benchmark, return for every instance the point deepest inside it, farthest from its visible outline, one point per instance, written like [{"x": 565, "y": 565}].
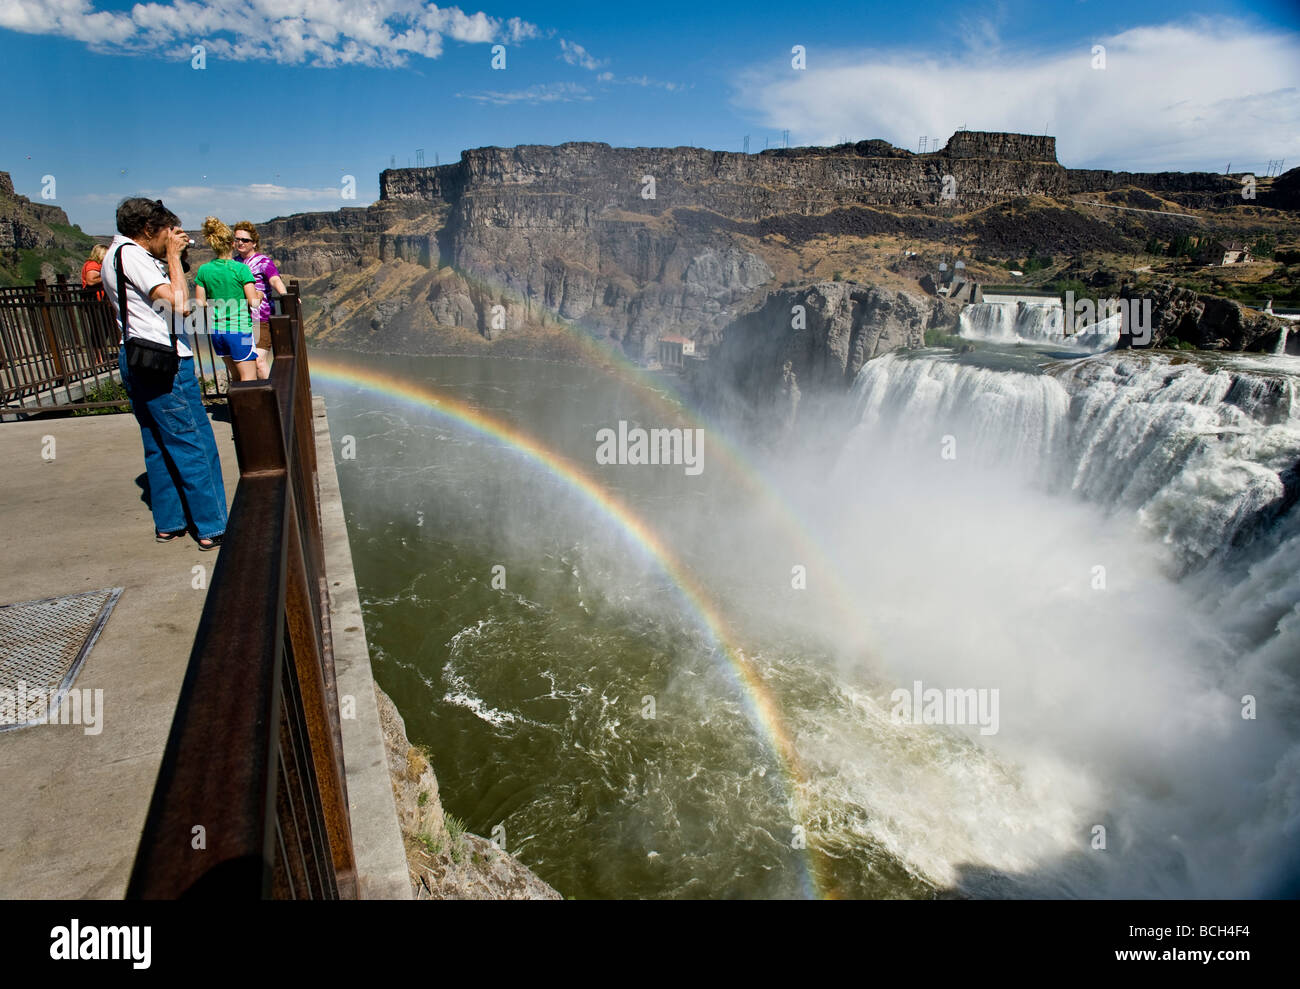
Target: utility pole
[
  {"x": 419, "y": 157},
  {"x": 746, "y": 144},
  {"x": 787, "y": 138}
]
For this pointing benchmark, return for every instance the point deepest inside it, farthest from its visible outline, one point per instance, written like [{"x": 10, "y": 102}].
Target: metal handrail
[
  {"x": 253, "y": 769},
  {"x": 59, "y": 339}
]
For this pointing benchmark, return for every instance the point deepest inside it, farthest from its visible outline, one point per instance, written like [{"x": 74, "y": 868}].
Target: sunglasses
[{"x": 243, "y": 240}]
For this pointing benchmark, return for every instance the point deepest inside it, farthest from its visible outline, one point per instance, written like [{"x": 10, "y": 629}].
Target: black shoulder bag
[{"x": 151, "y": 362}]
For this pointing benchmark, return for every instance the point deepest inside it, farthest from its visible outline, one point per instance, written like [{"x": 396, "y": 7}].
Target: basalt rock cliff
[
  {"x": 36, "y": 240},
  {"x": 630, "y": 244},
  {"x": 1206, "y": 321}
]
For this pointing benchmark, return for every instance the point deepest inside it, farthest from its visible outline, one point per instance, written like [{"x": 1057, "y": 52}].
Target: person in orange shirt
[{"x": 91, "y": 270}]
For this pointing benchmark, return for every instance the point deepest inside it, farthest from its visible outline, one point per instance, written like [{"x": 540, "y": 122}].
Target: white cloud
[
  {"x": 646, "y": 82},
  {"x": 550, "y": 92},
  {"x": 575, "y": 54},
  {"x": 1178, "y": 96},
  {"x": 321, "y": 33}
]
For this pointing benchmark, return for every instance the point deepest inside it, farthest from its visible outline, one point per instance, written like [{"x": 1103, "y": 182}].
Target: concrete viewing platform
[{"x": 73, "y": 519}]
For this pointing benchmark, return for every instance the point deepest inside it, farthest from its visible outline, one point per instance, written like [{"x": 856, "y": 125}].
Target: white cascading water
[
  {"x": 1111, "y": 543},
  {"x": 1010, "y": 319}
]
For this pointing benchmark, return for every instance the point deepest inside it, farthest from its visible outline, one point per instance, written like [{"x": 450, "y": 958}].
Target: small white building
[{"x": 674, "y": 349}]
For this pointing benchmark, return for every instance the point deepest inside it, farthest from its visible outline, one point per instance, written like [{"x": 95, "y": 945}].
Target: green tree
[{"x": 1264, "y": 247}]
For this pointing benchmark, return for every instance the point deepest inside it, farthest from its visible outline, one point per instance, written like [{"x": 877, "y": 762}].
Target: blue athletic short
[{"x": 237, "y": 346}]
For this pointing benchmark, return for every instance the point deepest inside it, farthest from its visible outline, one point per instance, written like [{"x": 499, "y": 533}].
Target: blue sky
[{"x": 295, "y": 94}]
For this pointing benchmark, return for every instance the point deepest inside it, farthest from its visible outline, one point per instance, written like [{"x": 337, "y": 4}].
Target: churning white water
[
  {"x": 1112, "y": 545},
  {"x": 1032, "y": 319}
]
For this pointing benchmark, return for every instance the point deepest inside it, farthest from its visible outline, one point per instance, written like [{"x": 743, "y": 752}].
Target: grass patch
[
  {"x": 455, "y": 827},
  {"x": 942, "y": 338},
  {"x": 431, "y": 844},
  {"x": 455, "y": 831},
  {"x": 109, "y": 391}
]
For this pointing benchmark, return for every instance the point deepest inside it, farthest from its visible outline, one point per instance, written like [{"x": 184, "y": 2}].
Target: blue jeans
[{"x": 180, "y": 453}]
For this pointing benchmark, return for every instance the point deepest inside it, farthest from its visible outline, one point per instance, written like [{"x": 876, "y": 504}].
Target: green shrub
[
  {"x": 108, "y": 392},
  {"x": 942, "y": 338}
]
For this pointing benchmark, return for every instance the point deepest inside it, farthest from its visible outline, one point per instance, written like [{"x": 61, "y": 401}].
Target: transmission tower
[
  {"x": 419, "y": 157},
  {"x": 746, "y": 144}
]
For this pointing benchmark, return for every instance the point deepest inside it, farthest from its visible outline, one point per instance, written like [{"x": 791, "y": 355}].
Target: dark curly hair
[{"x": 144, "y": 216}]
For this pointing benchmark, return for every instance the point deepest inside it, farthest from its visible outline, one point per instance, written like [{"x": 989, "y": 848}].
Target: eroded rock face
[
  {"x": 1208, "y": 321},
  {"x": 445, "y": 863},
  {"x": 25, "y": 225},
  {"x": 802, "y": 347},
  {"x": 632, "y": 243},
  {"x": 826, "y": 332}
]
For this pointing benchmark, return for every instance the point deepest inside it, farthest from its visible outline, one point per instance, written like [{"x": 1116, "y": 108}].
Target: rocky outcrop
[
  {"x": 629, "y": 244},
  {"x": 802, "y": 347},
  {"x": 446, "y": 862},
  {"x": 1207, "y": 321},
  {"x": 25, "y": 225},
  {"x": 992, "y": 144},
  {"x": 741, "y": 186}
]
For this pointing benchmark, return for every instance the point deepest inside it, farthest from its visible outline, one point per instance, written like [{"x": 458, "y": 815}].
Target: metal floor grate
[{"x": 43, "y": 645}]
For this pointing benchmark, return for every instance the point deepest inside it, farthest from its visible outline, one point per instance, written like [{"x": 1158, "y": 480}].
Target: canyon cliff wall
[
  {"x": 24, "y": 224},
  {"x": 629, "y": 244}
]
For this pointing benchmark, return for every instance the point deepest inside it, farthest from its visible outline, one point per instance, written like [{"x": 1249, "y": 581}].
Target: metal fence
[
  {"x": 59, "y": 342},
  {"x": 255, "y": 754}
]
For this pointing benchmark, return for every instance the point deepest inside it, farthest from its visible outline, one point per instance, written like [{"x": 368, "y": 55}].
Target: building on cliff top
[
  {"x": 1220, "y": 252},
  {"x": 674, "y": 349}
]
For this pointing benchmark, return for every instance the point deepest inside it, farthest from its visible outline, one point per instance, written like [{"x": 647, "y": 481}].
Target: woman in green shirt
[{"x": 226, "y": 287}]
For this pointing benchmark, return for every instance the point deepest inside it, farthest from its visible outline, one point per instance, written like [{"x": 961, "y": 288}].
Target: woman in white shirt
[{"x": 186, "y": 490}]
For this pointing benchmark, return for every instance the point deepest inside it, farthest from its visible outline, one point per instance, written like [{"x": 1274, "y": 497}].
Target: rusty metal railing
[
  {"x": 255, "y": 754},
  {"x": 59, "y": 342},
  {"x": 56, "y": 341}
]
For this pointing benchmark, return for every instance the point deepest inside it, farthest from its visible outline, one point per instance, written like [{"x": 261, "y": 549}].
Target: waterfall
[
  {"x": 1196, "y": 453},
  {"x": 1112, "y": 542},
  {"x": 1280, "y": 349},
  {"x": 1012, "y": 319}
]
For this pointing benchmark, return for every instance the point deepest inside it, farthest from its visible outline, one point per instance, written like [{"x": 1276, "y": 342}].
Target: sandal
[
  {"x": 212, "y": 543},
  {"x": 166, "y": 537}
]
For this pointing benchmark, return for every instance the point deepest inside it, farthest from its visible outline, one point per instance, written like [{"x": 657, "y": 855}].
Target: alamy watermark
[
  {"x": 676, "y": 446},
  {"x": 953, "y": 706},
  {"x": 41, "y": 706},
  {"x": 102, "y": 943},
  {"x": 1134, "y": 314}
]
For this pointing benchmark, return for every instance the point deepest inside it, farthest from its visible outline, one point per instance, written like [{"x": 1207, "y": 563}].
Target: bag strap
[{"x": 121, "y": 298}]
